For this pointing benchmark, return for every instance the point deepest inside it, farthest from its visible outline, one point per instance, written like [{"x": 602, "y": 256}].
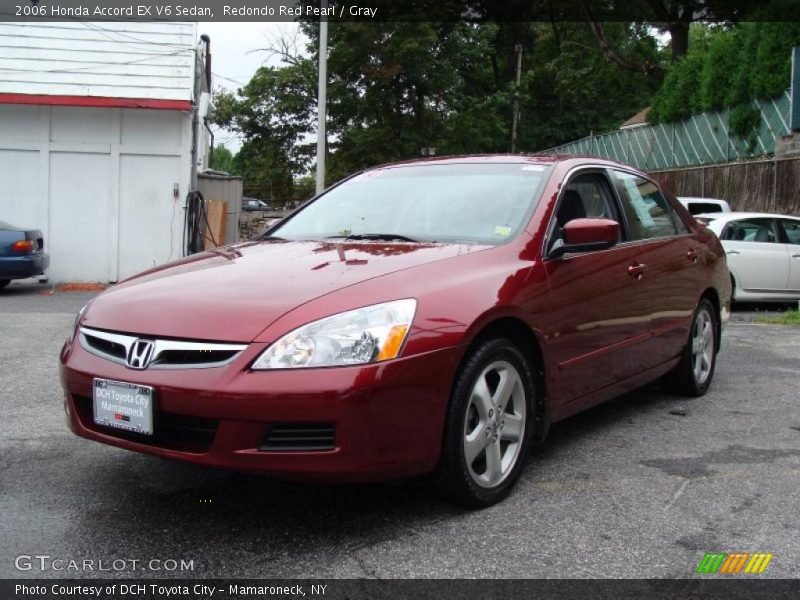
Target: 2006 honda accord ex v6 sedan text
[{"x": 424, "y": 317}]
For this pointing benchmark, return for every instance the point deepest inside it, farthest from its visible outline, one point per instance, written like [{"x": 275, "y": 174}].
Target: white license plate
[{"x": 127, "y": 406}]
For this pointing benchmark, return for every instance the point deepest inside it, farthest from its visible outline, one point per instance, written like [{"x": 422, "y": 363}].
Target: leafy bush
[{"x": 729, "y": 68}]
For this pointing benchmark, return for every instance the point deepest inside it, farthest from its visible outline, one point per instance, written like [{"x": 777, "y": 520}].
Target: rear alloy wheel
[
  {"x": 4, "y": 283},
  {"x": 692, "y": 376},
  {"x": 487, "y": 432}
]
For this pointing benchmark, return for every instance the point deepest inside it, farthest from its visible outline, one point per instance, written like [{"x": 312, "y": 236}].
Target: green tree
[
  {"x": 396, "y": 88},
  {"x": 718, "y": 67},
  {"x": 729, "y": 67},
  {"x": 222, "y": 159},
  {"x": 304, "y": 188},
  {"x": 274, "y": 113},
  {"x": 571, "y": 88}
]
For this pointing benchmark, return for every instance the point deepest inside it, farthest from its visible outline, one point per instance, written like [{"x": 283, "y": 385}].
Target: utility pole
[
  {"x": 794, "y": 95},
  {"x": 518, "y": 48},
  {"x": 322, "y": 96}
]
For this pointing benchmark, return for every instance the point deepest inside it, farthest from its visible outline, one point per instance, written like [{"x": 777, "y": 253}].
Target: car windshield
[{"x": 475, "y": 203}]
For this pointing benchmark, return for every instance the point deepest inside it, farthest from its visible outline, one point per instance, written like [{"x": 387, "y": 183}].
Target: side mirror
[{"x": 584, "y": 235}]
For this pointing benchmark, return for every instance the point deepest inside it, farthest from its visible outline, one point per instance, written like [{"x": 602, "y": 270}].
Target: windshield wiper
[{"x": 389, "y": 237}]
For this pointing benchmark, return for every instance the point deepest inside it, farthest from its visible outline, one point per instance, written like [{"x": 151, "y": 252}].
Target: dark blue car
[{"x": 21, "y": 253}]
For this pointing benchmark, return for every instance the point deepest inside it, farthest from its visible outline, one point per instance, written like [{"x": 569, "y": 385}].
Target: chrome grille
[{"x": 167, "y": 354}]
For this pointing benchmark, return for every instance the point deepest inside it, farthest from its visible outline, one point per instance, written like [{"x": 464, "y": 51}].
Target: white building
[{"x": 96, "y": 130}]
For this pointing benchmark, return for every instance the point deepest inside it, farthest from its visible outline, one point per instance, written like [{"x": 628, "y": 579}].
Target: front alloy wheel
[
  {"x": 494, "y": 424},
  {"x": 487, "y": 431}
]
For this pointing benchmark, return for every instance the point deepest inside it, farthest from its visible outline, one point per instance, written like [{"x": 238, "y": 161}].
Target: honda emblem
[{"x": 140, "y": 354}]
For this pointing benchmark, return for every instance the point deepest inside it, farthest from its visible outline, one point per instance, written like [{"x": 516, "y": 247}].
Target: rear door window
[
  {"x": 751, "y": 230},
  {"x": 647, "y": 210},
  {"x": 792, "y": 230}
]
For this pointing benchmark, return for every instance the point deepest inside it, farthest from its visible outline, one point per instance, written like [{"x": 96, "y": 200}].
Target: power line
[
  {"x": 227, "y": 78},
  {"x": 98, "y": 66},
  {"x": 136, "y": 41}
]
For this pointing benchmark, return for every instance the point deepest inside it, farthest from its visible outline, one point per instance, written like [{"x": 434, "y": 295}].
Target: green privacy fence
[{"x": 701, "y": 139}]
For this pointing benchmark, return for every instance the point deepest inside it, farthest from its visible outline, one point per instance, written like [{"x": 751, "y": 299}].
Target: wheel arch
[
  {"x": 523, "y": 336},
  {"x": 712, "y": 296}
]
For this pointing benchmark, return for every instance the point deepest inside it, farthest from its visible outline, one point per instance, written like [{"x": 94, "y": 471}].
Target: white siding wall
[
  {"x": 119, "y": 59},
  {"x": 99, "y": 183}
]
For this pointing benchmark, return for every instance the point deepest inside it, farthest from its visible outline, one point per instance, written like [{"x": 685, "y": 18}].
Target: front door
[{"x": 600, "y": 306}]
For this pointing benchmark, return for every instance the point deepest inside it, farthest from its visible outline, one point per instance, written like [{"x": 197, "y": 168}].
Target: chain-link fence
[{"x": 701, "y": 139}]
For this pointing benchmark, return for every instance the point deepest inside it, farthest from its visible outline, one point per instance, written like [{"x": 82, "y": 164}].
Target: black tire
[
  {"x": 684, "y": 379},
  {"x": 4, "y": 283},
  {"x": 454, "y": 478}
]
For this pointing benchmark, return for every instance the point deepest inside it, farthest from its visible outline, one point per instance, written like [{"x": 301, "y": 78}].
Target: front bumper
[
  {"x": 388, "y": 418},
  {"x": 21, "y": 267}
]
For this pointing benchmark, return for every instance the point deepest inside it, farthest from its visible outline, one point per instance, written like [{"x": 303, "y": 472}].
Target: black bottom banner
[{"x": 396, "y": 589}]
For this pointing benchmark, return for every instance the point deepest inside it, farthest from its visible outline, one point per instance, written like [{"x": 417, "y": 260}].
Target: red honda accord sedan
[{"x": 431, "y": 316}]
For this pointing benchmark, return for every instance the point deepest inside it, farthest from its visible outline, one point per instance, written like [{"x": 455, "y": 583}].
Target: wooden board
[{"x": 215, "y": 230}]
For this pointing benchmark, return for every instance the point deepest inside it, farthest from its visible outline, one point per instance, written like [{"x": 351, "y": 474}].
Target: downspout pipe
[
  {"x": 202, "y": 75},
  {"x": 211, "y": 135},
  {"x": 207, "y": 41}
]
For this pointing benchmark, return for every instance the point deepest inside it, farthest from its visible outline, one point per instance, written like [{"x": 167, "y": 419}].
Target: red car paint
[{"x": 600, "y": 332}]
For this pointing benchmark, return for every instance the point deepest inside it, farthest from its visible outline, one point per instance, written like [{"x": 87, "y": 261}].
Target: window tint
[
  {"x": 792, "y": 229},
  {"x": 751, "y": 230},
  {"x": 648, "y": 212},
  {"x": 697, "y": 208}
]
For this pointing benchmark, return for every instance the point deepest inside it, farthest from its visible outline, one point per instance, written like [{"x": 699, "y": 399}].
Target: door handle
[
  {"x": 692, "y": 255},
  {"x": 796, "y": 255},
  {"x": 636, "y": 270},
  {"x": 733, "y": 252}
]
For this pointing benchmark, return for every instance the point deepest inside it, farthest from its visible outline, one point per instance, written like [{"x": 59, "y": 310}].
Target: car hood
[{"x": 234, "y": 293}]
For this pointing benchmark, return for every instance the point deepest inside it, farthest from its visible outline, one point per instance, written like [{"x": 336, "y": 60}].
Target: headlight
[
  {"x": 78, "y": 316},
  {"x": 365, "y": 335}
]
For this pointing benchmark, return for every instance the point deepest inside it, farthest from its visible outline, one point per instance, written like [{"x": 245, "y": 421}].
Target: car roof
[
  {"x": 736, "y": 216},
  {"x": 536, "y": 159}
]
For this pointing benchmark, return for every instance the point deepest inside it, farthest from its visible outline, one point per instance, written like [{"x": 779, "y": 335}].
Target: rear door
[
  {"x": 756, "y": 256},
  {"x": 674, "y": 262},
  {"x": 790, "y": 228}
]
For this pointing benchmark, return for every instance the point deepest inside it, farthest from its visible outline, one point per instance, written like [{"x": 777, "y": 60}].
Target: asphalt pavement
[{"x": 642, "y": 486}]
